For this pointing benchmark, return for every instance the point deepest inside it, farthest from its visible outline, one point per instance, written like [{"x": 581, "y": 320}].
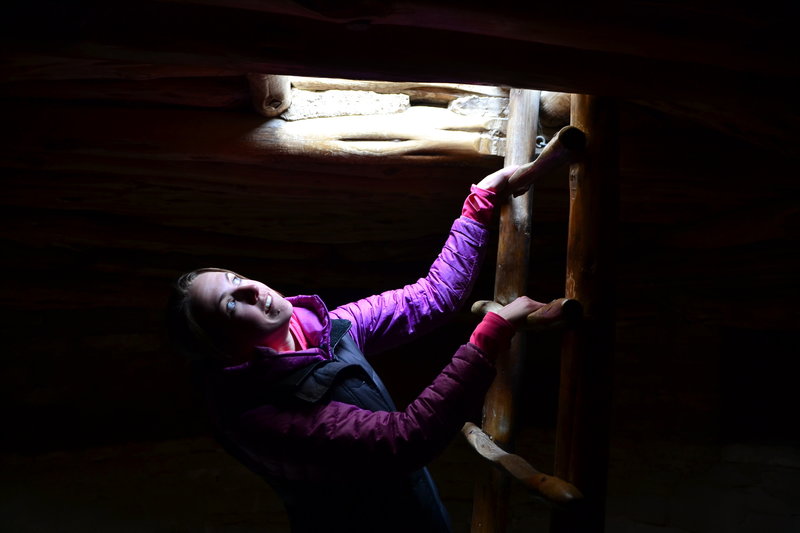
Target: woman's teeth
[{"x": 268, "y": 303}]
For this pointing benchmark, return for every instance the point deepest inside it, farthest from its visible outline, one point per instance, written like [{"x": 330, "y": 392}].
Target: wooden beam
[
  {"x": 490, "y": 506},
  {"x": 418, "y": 131},
  {"x": 271, "y": 94},
  {"x": 551, "y": 488},
  {"x": 554, "y": 112},
  {"x": 585, "y": 387},
  {"x": 418, "y": 92}
]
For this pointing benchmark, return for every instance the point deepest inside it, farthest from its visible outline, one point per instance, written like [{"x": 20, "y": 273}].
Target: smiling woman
[
  {"x": 246, "y": 312},
  {"x": 293, "y": 397}
]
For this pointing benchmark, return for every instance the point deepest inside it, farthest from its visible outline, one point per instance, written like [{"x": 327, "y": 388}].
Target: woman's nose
[{"x": 246, "y": 292}]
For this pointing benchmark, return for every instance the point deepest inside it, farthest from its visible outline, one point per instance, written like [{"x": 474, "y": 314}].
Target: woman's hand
[
  {"x": 498, "y": 181},
  {"x": 493, "y": 335},
  {"x": 517, "y": 311}
]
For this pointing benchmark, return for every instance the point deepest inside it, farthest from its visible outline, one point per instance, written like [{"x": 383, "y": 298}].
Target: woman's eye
[
  {"x": 236, "y": 280},
  {"x": 230, "y": 307}
]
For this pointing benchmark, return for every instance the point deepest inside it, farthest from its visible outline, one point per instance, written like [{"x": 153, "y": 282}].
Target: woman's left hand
[
  {"x": 498, "y": 181},
  {"x": 517, "y": 311}
]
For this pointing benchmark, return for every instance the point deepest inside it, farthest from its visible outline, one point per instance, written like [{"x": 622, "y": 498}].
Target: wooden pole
[
  {"x": 489, "y": 514},
  {"x": 584, "y": 402}
]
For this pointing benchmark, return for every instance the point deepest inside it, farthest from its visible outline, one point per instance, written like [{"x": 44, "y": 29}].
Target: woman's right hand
[{"x": 498, "y": 180}]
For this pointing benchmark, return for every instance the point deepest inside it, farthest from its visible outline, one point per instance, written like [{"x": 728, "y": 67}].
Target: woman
[{"x": 292, "y": 396}]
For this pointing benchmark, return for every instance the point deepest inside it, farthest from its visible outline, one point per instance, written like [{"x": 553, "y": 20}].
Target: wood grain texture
[
  {"x": 585, "y": 385},
  {"x": 555, "y": 490},
  {"x": 490, "y": 506}
]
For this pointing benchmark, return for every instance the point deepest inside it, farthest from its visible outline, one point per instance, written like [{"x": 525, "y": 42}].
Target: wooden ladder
[{"x": 589, "y": 145}]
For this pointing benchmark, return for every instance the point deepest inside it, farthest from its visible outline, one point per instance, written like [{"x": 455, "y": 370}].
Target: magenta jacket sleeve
[
  {"x": 392, "y": 317},
  {"x": 336, "y": 439}
]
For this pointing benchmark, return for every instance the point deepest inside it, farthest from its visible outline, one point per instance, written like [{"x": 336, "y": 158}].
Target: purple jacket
[{"x": 321, "y": 441}]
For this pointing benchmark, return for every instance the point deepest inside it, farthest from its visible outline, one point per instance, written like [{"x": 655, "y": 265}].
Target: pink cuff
[
  {"x": 479, "y": 205},
  {"x": 493, "y": 334}
]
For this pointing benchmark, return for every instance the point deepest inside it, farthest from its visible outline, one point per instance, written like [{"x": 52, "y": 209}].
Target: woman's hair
[{"x": 188, "y": 337}]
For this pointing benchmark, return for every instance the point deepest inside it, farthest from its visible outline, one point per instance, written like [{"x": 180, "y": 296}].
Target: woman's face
[{"x": 245, "y": 311}]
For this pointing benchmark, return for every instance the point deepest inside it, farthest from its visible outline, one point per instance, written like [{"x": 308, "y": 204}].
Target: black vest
[{"x": 408, "y": 503}]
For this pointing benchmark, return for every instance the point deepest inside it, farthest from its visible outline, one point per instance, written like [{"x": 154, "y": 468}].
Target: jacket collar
[{"x": 268, "y": 365}]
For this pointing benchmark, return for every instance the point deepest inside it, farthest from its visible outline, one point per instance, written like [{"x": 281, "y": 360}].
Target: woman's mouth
[{"x": 268, "y": 304}]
